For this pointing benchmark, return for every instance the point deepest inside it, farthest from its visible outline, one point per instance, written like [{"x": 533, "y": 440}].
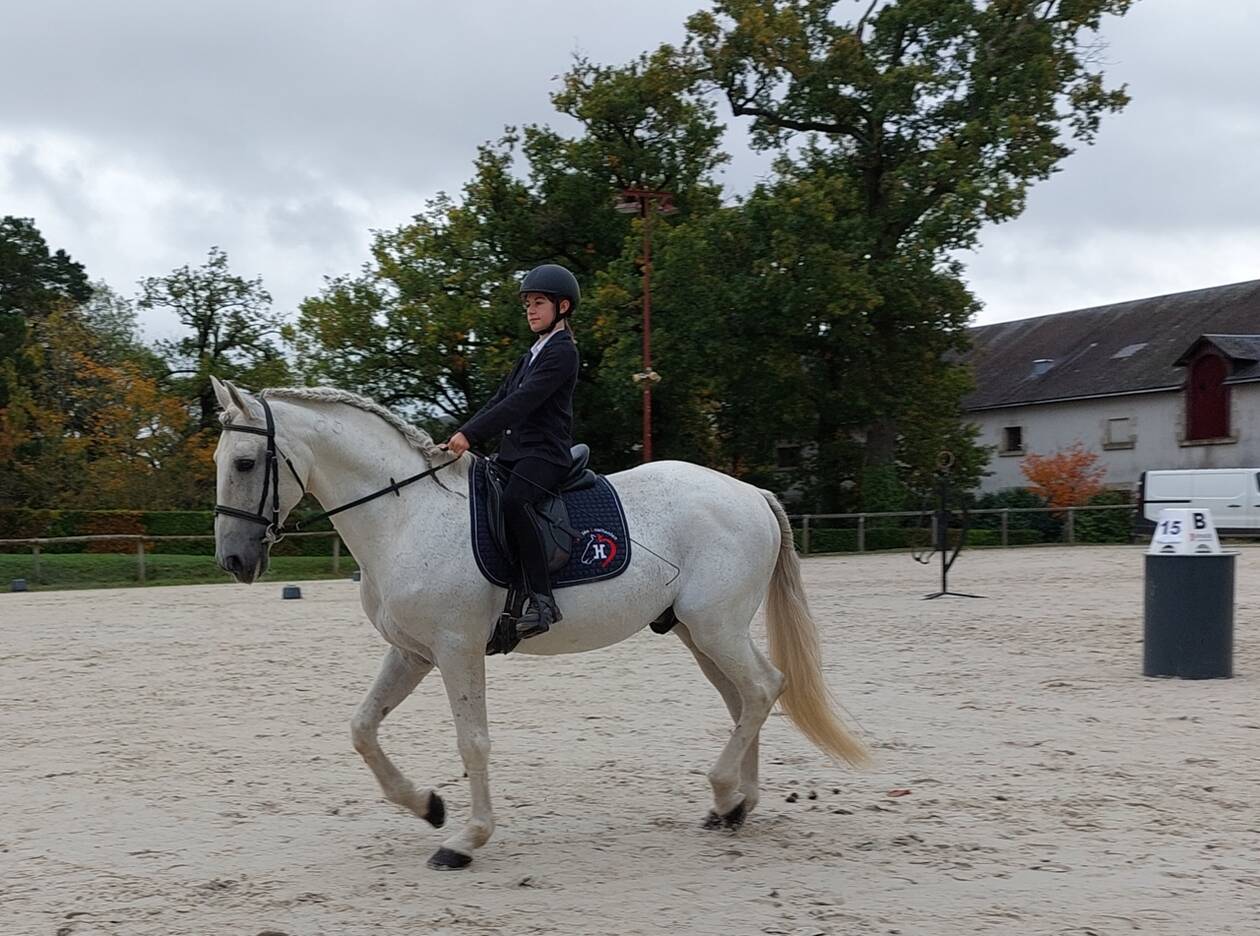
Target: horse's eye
[{"x": 244, "y": 464}]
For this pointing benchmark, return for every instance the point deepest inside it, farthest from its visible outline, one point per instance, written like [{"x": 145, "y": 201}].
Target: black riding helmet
[{"x": 555, "y": 281}]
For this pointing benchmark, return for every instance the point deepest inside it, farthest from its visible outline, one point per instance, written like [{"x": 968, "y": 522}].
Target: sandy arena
[{"x": 177, "y": 761}]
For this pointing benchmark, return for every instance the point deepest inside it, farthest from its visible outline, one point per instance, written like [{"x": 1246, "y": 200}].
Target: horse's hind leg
[
  {"x": 400, "y": 673},
  {"x": 757, "y": 685},
  {"x": 749, "y": 767}
]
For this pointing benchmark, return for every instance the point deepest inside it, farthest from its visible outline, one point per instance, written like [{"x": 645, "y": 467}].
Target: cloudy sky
[{"x": 138, "y": 133}]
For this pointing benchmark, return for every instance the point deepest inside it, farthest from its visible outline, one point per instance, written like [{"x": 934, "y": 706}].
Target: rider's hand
[{"x": 456, "y": 444}]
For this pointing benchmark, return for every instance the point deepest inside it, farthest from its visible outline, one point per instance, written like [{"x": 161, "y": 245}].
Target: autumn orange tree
[
  {"x": 1066, "y": 478},
  {"x": 88, "y": 429}
]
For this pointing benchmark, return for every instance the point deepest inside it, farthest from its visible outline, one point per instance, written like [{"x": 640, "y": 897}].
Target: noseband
[{"x": 274, "y": 532}]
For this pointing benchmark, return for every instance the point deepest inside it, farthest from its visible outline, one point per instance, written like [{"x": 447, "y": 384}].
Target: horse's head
[{"x": 254, "y": 493}]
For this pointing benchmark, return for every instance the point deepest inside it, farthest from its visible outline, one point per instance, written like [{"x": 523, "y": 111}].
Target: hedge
[
  {"x": 24, "y": 523},
  {"x": 1105, "y": 526}
]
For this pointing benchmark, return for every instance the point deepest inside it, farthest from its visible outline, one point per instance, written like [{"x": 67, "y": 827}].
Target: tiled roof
[{"x": 1128, "y": 347}]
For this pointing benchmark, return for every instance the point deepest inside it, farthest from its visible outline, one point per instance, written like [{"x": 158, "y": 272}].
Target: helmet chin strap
[{"x": 555, "y": 322}]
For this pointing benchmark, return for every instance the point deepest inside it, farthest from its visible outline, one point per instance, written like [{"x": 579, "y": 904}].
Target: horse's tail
[{"x": 793, "y": 639}]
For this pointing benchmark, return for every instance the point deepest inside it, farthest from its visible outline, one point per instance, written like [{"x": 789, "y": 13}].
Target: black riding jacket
[{"x": 533, "y": 407}]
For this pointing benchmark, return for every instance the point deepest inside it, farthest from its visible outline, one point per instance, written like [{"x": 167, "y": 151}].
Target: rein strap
[{"x": 271, "y": 485}]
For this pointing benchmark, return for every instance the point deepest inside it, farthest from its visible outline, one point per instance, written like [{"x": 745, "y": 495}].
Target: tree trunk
[{"x": 209, "y": 417}]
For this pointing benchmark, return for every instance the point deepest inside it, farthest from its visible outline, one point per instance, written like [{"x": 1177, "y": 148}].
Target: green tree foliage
[
  {"x": 113, "y": 322},
  {"x": 232, "y": 332},
  {"x": 33, "y": 283},
  {"x": 88, "y": 428},
  {"x": 433, "y": 322},
  {"x": 900, "y": 132}
]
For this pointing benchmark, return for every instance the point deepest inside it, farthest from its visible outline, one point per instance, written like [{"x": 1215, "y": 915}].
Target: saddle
[
  {"x": 550, "y": 515},
  {"x": 583, "y": 527}
]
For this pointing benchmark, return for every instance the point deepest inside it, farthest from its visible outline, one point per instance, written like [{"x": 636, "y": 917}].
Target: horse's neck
[{"x": 354, "y": 453}]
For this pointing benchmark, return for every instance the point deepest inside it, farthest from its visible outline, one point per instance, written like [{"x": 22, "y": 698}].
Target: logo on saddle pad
[{"x": 600, "y": 548}]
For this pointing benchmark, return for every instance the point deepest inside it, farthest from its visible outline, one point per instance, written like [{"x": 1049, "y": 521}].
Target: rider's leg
[{"x": 532, "y": 480}]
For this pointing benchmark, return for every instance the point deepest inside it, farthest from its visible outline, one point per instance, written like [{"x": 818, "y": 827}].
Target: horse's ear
[
  {"x": 221, "y": 393},
  {"x": 242, "y": 400}
]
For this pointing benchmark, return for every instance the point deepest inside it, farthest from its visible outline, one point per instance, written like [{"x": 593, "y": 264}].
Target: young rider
[{"x": 533, "y": 409}]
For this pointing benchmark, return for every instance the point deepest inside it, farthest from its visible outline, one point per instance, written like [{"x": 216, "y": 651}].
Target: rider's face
[{"x": 540, "y": 310}]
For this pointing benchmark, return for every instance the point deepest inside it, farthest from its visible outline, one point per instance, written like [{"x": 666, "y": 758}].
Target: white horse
[{"x": 731, "y": 542}]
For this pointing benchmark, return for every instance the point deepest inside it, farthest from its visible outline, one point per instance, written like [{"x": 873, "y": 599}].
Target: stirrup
[{"x": 538, "y": 619}]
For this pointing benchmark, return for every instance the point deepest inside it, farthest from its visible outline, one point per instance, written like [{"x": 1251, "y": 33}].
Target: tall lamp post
[{"x": 645, "y": 203}]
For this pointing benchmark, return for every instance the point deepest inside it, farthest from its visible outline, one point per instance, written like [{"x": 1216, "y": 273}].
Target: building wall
[{"x": 1156, "y": 425}]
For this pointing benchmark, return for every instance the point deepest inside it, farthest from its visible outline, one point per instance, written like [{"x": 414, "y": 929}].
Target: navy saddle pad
[{"x": 602, "y": 552}]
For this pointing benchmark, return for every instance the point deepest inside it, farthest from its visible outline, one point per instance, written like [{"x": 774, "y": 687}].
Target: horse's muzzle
[{"x": 243, "y": 570}]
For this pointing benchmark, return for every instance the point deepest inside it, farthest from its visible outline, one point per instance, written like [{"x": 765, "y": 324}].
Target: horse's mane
[{"x": 415, "y": 436}]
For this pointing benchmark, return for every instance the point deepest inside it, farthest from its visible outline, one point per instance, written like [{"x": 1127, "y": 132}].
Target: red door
[{"x": 1209, "y": 399}]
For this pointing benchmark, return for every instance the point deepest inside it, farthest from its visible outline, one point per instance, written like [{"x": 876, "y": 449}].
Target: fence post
[
  {"x": 140, "y": 560},
  {"x": 1006, "y": 517},
  {"x": 805, "y": 536},
  {"x": 35, "y": 563},
  {"x": 861, "y": 544},
  {"x": 1071, "y": 526},
  {"x": 336, "y": 554}
]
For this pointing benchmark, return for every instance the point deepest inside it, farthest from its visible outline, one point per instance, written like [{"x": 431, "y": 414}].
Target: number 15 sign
[{"x": 1180, "y": 532}]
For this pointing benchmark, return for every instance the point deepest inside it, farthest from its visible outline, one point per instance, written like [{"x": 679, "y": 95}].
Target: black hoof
[
  {"x": 735, "y": 818},
  {"x": 436, "y": 816},
  {"x": 445, "y": 859},
  {"x": 732, "y": 820}
]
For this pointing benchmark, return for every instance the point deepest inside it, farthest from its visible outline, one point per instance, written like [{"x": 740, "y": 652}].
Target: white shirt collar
[{"x": 538, "y": 345}]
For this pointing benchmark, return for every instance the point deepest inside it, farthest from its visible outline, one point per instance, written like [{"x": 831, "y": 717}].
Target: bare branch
[
  {"x": 744, "y": 110},
  {"x": 861, "y": 23}
]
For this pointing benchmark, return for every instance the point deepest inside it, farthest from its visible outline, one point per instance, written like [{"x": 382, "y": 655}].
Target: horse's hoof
[
  {"x": 436, "y": 814},
  {"x": 735, "y": 818},
  {"x": 446, "y": 859},
  {"x": 732, "y": 820}
]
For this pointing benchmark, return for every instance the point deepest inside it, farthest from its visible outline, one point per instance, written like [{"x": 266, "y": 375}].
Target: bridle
[{"x": 274, "y": 532}]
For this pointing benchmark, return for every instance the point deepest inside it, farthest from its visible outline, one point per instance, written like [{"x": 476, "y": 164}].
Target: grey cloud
[
  {"x": 284, "y": 131},
  {"x": 383, "y": 94},
  {"x": 64, "y": 187},
  {"x": 315, "y": 223}
]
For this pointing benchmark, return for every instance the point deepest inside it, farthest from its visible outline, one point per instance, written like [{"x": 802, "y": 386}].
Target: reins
[{"x": 274, "y": 532}]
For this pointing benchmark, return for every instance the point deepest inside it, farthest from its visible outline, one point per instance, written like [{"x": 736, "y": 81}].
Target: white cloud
[
  {"x": 284, "y": 132},
  {"x": 1021, "y": 273}
]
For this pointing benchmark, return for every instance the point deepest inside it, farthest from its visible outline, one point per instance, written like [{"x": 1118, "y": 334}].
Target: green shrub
[
  {"x": 1048, "y": 525},
  {"x": 106, "y": 571},
  {"x": 1104, "y": 526},
  {"x": 21, "y": 523}
]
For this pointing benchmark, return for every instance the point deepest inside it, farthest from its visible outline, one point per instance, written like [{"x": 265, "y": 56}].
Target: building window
[
  {"x": 1207, "y": 399},
  {"x": 1119, "y": 433},
  {"x": 787, "y": 456},
  {"x": 1012, "y": 440}
]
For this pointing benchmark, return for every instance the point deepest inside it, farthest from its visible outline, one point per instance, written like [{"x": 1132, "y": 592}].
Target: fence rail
[
  {"x": 1058, "y": 525},
  {"x": 141, "y": 540},
  {"x": 815, "y": 533}
]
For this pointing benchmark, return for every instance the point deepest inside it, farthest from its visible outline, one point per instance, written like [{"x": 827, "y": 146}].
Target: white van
[{"x": 1232, "y": 494}]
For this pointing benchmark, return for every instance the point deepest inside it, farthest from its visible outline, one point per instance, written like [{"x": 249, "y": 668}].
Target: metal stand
[{"x": 942, "y": 517}]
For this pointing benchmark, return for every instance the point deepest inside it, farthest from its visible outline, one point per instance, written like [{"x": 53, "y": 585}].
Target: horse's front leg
[
  {"x": 464, "y": 673},
  {"x": 400, "y": 673}
]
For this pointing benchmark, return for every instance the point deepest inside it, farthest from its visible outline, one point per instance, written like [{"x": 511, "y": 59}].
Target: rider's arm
[
  {"x": 546, "y": 375},
  {"x": 490, "y": 403}
]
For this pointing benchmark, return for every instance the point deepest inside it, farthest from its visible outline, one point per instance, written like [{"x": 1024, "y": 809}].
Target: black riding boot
[
  {"x": 542, "y": 611},
  {"x": 538, "y": 619}
]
